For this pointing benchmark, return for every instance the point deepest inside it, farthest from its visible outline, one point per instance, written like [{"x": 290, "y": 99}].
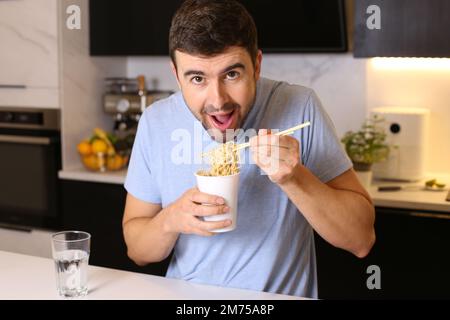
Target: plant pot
[
  {"x": 364, "y": 173},
  {"x": 359, "y": 166}
]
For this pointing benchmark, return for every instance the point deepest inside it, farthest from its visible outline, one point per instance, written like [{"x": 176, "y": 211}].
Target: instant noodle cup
[{"x": 225, "y": 187}]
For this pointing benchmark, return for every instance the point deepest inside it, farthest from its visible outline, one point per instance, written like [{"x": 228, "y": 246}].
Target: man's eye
[
  {"x": 232, "y": 75},
  {"x": 197, "y": 80}
]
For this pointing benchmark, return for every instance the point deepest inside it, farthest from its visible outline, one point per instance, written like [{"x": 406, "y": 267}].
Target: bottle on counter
[{"x": 142, "y": 91}]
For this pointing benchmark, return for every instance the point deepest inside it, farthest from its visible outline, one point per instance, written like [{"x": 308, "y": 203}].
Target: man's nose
[{"x": 218, "y": 96}]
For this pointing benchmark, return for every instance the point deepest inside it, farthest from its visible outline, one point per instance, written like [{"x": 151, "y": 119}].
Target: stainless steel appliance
[
  {"x": 30, "y": 157},
  {"x": 126, "y": 99}
]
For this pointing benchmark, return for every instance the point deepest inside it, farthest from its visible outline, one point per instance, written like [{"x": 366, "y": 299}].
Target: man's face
[{"x": 219, "y": 90}]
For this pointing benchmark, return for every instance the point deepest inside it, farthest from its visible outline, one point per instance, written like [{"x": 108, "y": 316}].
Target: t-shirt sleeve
[
  {"x": 322, "y": 152},
  {"x": 141, "y": 180}
]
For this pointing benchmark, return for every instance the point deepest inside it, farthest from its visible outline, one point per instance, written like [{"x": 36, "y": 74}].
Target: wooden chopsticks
[{"x": 281, "y": 133}]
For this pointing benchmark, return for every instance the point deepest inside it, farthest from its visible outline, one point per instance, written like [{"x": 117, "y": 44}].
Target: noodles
[{"x": 224, "y": 160}]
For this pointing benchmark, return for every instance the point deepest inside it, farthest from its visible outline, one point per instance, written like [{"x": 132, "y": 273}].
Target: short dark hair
[{"x": 209, "y": 27}]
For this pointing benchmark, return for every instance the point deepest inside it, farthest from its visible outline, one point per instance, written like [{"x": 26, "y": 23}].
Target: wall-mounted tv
[{"x": 141, "y": 27}]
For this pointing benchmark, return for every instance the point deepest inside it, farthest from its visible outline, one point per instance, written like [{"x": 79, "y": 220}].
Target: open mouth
[{"x": 222, "y": 121}]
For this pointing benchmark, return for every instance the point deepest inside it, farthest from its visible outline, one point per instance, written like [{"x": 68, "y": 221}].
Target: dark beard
[
  {"x": 225, "y": 108},
  {"x": 230, "y": 133},
  {"x": 216, "y": 134}
]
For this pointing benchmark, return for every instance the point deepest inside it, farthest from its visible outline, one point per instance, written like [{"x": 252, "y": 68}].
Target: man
[{"x": 216, "y": 61}]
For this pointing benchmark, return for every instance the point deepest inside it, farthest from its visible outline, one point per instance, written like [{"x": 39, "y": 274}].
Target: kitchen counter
[
  {"x": 82, "y": 174},
  {"x": 413, "y": 197},
  {"x": 29, "y": 278}
]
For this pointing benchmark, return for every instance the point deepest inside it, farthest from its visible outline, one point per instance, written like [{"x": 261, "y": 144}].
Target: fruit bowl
[
  {"x": 103, "y": 152},
  {"x": 103, "y": 162}
]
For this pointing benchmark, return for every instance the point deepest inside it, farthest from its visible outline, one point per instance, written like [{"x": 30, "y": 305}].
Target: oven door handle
[
  {"x": 25, "y": 139},
  {"x": 12, "y": 86}
]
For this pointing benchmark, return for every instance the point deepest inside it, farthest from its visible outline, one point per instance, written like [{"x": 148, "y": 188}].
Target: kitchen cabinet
[
  {"x": 407, "y": 28},
  {"x": 29, "y": 53},
  {"x": 411, "y": 251},
  {"x": 34, "y": 242},
  {"x": 144, "y": 26},
  {"x": 97, "y": 208}
]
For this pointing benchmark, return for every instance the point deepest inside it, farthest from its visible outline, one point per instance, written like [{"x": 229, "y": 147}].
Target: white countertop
[
  {"x": 24, "y": 277},
  {"x": 413, "y": 197},
  {"x": 82, "y": 174}
]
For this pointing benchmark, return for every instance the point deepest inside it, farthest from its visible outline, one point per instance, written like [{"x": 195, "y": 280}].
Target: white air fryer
[{"x": 407, "y": 130}]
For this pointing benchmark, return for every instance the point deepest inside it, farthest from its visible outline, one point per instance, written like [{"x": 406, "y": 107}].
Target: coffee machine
[{"x": 126, "y": 99}]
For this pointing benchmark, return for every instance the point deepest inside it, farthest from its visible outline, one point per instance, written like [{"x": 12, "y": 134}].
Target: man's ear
[
  {"x": 258, "y": 62},
  {"x": 175, "y": 73}
]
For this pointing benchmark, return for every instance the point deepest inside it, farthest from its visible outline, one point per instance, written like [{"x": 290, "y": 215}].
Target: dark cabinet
[
  {"x": 141, "y": 27},
  {"x": 98, "y": 208},
  {"x": 411, "y": 251},
  {"x": 407, "y": 28}
]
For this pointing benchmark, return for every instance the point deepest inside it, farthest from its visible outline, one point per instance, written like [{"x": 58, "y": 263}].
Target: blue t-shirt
[{"x": 272, "y": 247}]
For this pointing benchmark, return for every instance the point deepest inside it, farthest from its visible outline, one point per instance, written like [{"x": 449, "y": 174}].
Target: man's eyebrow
[
  {"x": 192, "y": 72},
  {"x": 227, "y": 69},
  {"x": 233, "y": 66}
]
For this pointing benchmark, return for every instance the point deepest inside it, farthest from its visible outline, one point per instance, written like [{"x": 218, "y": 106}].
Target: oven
[{"x": 30, "y": 158}]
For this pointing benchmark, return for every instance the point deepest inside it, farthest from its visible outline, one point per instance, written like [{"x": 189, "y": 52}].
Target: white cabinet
[
  {"x": 29, "y": 53},
  {"x": 31, "y": 242}
]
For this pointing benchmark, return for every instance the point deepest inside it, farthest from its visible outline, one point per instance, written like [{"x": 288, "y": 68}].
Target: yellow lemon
[
  {"x": 84, "y": 148},
  {"x": 99, "y": 146},
  {"x": 110, "y": 151}
]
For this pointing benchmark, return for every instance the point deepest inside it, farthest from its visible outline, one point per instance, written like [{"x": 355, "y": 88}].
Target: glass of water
[{"x": 71, "y": 254}]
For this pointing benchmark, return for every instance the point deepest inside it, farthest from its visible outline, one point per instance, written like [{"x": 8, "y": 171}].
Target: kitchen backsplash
[
  {"x": 338, "y": 79},
  {"x": 423, "y": 83},
  {"x": 348, "y": 88}
]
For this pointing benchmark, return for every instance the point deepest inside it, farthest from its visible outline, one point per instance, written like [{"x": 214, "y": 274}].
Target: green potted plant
[{"x": 366, "y": 147}]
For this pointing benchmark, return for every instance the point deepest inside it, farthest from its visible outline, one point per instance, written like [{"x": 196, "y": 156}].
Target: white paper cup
[{"x": 225, "y": 187}]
